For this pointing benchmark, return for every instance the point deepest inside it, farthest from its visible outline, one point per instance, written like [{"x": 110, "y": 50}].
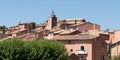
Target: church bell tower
[{"x": 52, "y": 21}]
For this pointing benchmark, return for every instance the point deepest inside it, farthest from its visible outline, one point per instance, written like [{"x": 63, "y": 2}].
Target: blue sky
[{"x": 103, "y": 12}]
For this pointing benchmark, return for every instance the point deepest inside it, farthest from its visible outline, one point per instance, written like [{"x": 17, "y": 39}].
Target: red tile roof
[{"x": 75, "y": 37}]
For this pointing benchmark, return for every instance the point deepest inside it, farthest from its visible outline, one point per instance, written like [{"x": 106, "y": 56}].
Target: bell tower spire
[
  {"x": 53, "y": 14},
  {"x": 52, "y": 21}
]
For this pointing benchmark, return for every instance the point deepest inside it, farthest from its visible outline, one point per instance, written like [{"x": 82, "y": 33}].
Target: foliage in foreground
[
  {"x": 17, "y": 49},
  {"x": 116, "y": 58}
]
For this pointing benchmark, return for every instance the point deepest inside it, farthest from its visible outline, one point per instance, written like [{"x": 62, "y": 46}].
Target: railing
[{"x": 81, "y": 51}]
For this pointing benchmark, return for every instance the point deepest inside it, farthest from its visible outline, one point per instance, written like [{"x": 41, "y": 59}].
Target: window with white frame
[{"x": 82, "y": 48}]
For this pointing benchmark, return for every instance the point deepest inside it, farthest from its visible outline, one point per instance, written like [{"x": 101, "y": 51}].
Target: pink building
[
  {"x": 115, "y": 36},
  {"x": 85, "y": 46},
  {"x": 19, "y": 30},
  {"x": 20, "y": 26}
]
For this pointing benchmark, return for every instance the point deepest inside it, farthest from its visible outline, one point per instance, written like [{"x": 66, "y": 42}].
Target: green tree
[
  {"x": 109, "y": 49},
  {"x": 33, "y": 25},
  {"x": 17, "y": 49},
  {"x": 116, "y": 58},
  {"x": 2, "y": 28}
]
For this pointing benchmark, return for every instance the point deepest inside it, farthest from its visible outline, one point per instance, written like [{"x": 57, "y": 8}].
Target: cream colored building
[
  {"x": 115, "y": 39},
  {"x": 115, "y": 49}
]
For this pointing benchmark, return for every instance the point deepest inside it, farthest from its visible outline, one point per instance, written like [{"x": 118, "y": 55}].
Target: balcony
[{"x": 82, "y": 52}]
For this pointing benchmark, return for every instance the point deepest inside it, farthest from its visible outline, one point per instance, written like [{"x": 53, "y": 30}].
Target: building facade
[
  {"x": 84, "y": 46},
  {"x": 115, "y": 40}
]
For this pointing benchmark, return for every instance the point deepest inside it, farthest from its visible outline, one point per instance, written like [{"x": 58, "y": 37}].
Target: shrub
[
  {"x": 17, "y": 49},
  {"x": 116, "y": 57}
]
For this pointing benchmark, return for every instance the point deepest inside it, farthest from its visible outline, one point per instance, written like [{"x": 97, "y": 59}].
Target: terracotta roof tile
[{"x": 74, "y": 37}]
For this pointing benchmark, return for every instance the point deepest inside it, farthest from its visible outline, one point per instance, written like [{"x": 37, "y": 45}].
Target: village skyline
[{"x": 86, "y": 30}]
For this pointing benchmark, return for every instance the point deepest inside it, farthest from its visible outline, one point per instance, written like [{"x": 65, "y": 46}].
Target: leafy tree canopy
[
  {"x": 17, "y": 49},
  {"x": 2, "y": 28},
  {"x": 33, "y": 26}
]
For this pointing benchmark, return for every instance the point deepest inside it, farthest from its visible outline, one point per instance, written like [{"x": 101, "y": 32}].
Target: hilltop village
[{"x": 84, "y": 40}]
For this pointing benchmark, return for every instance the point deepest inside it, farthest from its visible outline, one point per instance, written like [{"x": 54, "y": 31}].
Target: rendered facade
[{"x": 115, "y": 39}]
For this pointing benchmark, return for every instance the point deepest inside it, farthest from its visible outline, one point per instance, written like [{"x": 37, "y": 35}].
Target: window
[
  {"x": 82, "y": 48},
  {"x": 102, "y": 57},
  {"x": 71, "y": 50},
  {"x": 86, "y": 31},
  {"x": 69, "y": 42},
  {"x": 75, "y": 28}
]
